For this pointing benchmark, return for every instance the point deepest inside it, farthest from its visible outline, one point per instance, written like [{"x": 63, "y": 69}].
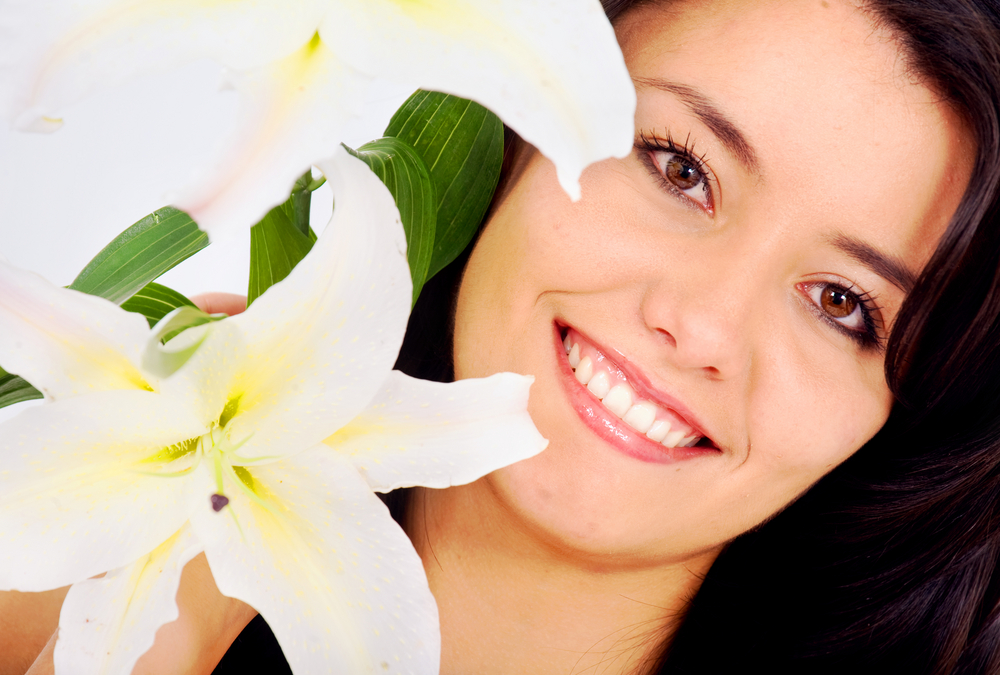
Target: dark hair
[{"x": 889, "y": 563}]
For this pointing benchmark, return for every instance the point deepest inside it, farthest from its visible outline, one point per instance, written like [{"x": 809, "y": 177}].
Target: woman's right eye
[
  {"x": 678, "y": 169},
  {"x": 681, "y": 172}
]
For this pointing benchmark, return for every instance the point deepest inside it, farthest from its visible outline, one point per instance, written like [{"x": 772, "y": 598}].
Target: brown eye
[
  {"x": 849, "y": 310},
  {"x": 682, "y": 174},
  {"x": 837, "y": 303}
]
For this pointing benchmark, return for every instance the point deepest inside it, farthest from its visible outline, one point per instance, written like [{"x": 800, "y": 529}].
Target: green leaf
[
  {"x": 154, "y": 302},
  {"x": 123, "y": 272},
  {"x": 461, "y": 143},
  {"x": 14, "y": 389},
  {"x": 280, "y": 240},
  {"x": 140, "y": 254},
  {"x": 405, "y": 174},
  {"x": 158, "y": 358}
]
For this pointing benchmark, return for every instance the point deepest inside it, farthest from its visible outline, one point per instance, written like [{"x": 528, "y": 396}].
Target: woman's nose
[{"x": 705, "y": 323}]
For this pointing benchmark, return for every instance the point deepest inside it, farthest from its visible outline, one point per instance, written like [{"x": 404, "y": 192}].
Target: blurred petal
[
  {"x": 204, "y": 381},
  {"x": 292, "y": 114},
  {"x": 54, "y": 53},
  {"x": 67, "y": 343},
  {"x": 551, "y": 69},
  {"x": 332, "y": 574},
  {"x": 74, "y": 501},
  {"x": 107, "y": 624},
  {"x": 321, "y": 342},
  {"x": 417, "y": 432}
]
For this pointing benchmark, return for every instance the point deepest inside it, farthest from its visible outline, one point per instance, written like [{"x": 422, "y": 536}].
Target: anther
[{"x": 219, "y": 502}]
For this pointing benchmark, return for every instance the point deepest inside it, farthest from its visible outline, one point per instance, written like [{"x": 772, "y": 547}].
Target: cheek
[{"x": 811, "y": 423}]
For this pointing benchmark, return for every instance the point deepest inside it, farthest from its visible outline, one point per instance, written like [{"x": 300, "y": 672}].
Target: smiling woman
[
  {"x": 797, "y": 263},
  {"x": 714, "y": 292}
]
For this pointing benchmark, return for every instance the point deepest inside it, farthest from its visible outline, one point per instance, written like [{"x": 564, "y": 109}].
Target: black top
[{"x": 256, "y": 650}]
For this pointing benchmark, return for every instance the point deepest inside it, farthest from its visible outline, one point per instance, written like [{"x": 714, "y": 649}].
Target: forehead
[{"x": 838, "y": 122}]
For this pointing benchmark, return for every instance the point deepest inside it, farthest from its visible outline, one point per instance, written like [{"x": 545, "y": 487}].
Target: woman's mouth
[{"x": 620, "y": 409}]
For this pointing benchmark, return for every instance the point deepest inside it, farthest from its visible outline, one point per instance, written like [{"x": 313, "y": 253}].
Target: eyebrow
[
  {"x": 713, "y": 118},
  {"x": 888, "y": 267}
]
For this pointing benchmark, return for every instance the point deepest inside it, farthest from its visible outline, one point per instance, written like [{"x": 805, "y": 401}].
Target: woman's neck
[{"x": 511, "y": 602}]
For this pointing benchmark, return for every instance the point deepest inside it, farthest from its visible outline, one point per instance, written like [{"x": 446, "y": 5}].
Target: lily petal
[
  {"x": 292, "y": 114},
  {"x": 437, "y": 435},
  {"x": 204, "y": 381},
  {"x": 76, "y": 497},
  {"x": 106, "y": 624},
  {"x": 551, "y": 70},
  {"x": 320, "y": 342},
  {"x": 55, "y": 53},
  {"x": 64, "y": 342},
  {"x": 332, "y": 574}
]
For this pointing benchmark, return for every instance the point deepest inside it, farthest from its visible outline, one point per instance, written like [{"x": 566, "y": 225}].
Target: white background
[{"x": 118, "y": 157}]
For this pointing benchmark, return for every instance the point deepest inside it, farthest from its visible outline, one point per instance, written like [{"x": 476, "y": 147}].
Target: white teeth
[
  {"x": 641, "y": 416},
  {"x": 673, "y": 438},
  {"x": 567, "y": 343},
  {"x": 599, "y": 384},
  {"x": 574, "y": 356},
  {"x": 619, "y": 400},
  {"x": 658, "y": 431},
  {"x": 584, "y": 370}
]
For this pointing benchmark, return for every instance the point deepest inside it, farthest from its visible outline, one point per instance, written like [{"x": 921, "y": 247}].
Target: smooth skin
[{"x": 584, "y": 557}]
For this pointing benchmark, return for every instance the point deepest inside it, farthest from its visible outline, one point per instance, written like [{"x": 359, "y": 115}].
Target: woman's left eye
[{"x": 846, "y": 308}]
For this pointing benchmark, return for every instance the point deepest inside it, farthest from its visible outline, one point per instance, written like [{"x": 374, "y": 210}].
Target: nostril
[
  {"x": 713, "y": 373},
  {"x": 667, "y": 338}
]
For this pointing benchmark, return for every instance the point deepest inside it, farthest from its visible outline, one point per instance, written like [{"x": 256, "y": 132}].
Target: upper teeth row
[{"x": 619, "y": 399}]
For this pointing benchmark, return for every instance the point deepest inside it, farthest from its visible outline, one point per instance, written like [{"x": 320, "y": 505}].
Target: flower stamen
[{"x": 219, "y": 502}]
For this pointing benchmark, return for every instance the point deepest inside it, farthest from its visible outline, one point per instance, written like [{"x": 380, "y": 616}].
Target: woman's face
[{"x": 735, "y": 277}]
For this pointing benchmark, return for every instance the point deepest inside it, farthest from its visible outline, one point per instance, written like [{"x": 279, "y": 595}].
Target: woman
[
  {"x": 885, "y": 565},
  {"x": 798, "y": 260}
]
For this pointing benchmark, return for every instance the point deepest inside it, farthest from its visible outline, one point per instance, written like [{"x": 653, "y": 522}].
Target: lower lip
[{"x": 612, "y": 429}]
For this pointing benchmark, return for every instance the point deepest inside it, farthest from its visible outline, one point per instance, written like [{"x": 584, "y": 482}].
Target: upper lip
[{"x": 642, "y": 386}]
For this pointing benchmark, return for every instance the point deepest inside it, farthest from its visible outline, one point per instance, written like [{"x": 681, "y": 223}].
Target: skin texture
[
  {"x": 715, "y": 303},
  {"x": 27, "y": 621}
]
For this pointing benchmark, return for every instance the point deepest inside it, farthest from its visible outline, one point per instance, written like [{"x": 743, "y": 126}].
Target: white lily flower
[
  {"x": 261, "y": 450},
  {"x": 551, "y": 69}
]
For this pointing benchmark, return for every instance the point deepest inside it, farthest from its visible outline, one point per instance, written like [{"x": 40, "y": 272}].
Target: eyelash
[
  {"x": 868, "y": 337},
  {"x": 648, "y": 145}
]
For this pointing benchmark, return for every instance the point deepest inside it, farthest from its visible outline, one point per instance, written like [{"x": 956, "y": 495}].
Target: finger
[{"x": 220, "y": 303}]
